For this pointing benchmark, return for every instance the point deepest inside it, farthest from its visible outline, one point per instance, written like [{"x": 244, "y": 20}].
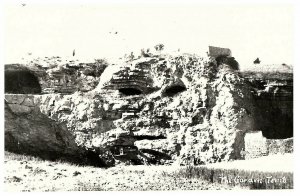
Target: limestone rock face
[
  {"x": 53, "y": 75},
  {"x": 160, "y": 109},
  {"x": 29, "y": 130}
]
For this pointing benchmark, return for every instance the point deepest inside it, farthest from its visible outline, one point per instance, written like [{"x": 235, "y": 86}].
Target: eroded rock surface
[
  {"x": 28, "y": 130},
  {"x": 53, "y": 75},
  {"x": 153, "y": 110}
]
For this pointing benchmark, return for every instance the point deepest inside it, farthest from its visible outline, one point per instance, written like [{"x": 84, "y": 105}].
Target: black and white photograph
[{"x": 147, "y": 96}]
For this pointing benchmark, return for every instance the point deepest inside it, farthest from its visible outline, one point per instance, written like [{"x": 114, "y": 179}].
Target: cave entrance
[
  {"x": 277, "y": 125},
  {"x": 130, "y": 91},
  {"x": 173, "y": 90},
  {"x": 21, "y": 82}
]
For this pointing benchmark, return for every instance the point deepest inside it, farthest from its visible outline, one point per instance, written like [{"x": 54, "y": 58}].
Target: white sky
[{"x": 249, "y": 31}]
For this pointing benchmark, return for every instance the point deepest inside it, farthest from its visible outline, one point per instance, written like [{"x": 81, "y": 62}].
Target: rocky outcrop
[
  {"x": 159, "y": 109},
  {"x": 28, "y": 130},
  {"x": 53, "y": 76}
]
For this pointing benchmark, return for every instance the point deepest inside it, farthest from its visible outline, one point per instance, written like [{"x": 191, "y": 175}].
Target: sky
[{"x": 110, "y": 31}]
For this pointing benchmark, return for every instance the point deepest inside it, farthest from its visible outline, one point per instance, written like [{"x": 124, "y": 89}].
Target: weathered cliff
[
  {"x": 159, "y": 109},
  {"x": 28, "y": 130},
  {"x": 53, "y": 75}
]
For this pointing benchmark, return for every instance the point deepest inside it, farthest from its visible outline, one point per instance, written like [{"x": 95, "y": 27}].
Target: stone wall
[{"x": 256, "y": 145}]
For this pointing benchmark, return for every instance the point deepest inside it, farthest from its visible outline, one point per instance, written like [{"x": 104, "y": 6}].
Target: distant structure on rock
[
  {"x": 74, "y": 52},
  {"x": 256, "y": 61},
  {"x": 217, "y": 51},
  {"x": 223, "y": 56}
]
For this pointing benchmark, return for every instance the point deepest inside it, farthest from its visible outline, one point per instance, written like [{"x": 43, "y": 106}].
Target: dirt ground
[{"x": 23, "y": 173}]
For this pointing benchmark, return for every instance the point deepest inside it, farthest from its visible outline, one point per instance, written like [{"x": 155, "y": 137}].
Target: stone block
[
  {"x": 255, "y": 145},
  {"x": 217, "y": 51}
]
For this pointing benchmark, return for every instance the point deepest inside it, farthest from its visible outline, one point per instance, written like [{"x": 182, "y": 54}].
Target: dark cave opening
[
  {"x": 277, "y": 125},
  {"x": 21, "y": 82},
  {"x": 130, "y": 91},
  {"x": 173, "y": 90},
  {"x": 274, "y": 116}
]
